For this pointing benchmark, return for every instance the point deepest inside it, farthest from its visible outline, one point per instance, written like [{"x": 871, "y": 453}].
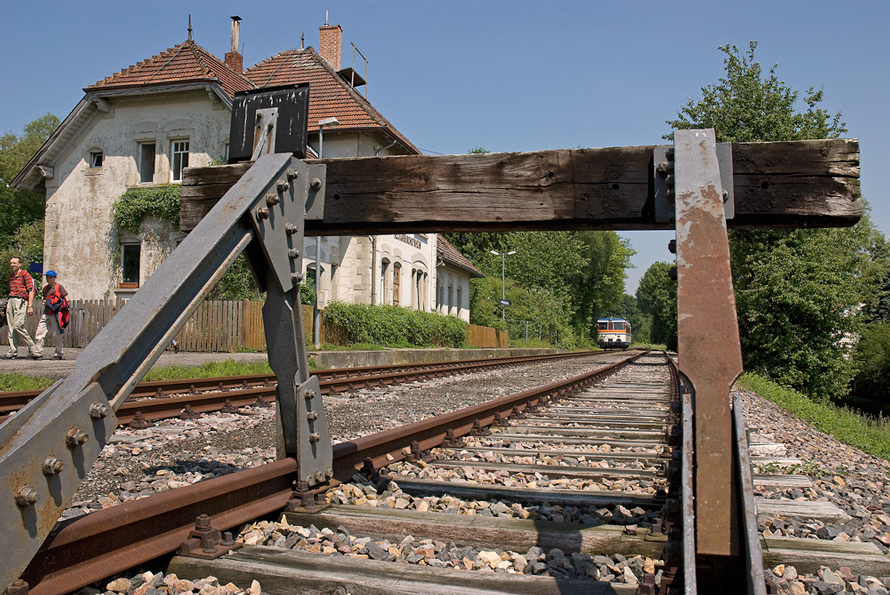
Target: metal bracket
[
  {"x": 663, "y": 181},
  {"x": 47, "y": 448},
  {"x": 709, "y": 353}
]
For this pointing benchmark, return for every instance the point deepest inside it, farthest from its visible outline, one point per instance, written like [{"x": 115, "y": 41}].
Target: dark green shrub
[{"x": 395, "y": 326}]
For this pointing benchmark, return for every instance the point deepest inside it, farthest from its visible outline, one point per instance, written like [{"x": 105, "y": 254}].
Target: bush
[{"x": 395, "y": 326}]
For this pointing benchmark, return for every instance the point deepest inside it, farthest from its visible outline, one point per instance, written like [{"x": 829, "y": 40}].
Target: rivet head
[
  {"x": 262, "y": 213},
  {"x": 312, "y": 416},
  {"x": 27, "y": 496},
  {"x": 315, "y": 184},
  {"x": 76, "y": 437},
  {"x": 314, "y": 437},
  {"x": 98, "y": 411},
  {"x": 272, "y": 199},
  {"x": 310, "y": 394},
  {"x": 291, "y": 228},
  {"x": 319, "y": 476},
  {"x": 52, "y": 466},
  {"x": 282, "y": 185},
  {"x": 292, "y": 174}
]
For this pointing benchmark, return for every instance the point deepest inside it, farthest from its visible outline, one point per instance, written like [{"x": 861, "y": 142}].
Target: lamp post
[
  {"x": 503, "y": 296},
  {"x": 331, "y": 122}
]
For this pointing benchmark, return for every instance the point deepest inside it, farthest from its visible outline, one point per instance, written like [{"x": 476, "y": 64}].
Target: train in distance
[{"x": 613, "y": 333}]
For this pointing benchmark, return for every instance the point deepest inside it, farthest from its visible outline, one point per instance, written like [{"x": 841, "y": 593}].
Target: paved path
[{"x": 50, "y": 368}]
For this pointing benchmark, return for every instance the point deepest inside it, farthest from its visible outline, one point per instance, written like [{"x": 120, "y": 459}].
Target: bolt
[
  {"x": 27, "y": 496},
  {"x": 310, "y": 394},
  {"x": 315, "y": 184},
  {"x": 52, "y": 466},
  {"x": 291, "y": 228},
  {"x": 673, "y": 273},
  {"x": 282, "y": 186},
  {"x": 725, "y": 195},
  {"x": 329, "y": 473},
  {"x": 271, "y": 199},
  {"x": 664, "y": 167},
  {"x": 202, "y": 522},
  {"x": 17, "y": 587},
  {"x": 292, "y": 174},
  {"x": 312, "y": 415},
  {"x": 314, "y": 437},
  {"x": 293, "y": 253},
  {"x": 319, "y": 477},
  {"x": 672, "y": 246},
  {"x": 76, "y": 437},
  {"x": 98, "y": 411}
]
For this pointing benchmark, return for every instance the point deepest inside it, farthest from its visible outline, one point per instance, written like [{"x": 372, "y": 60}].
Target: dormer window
[{"x": 96, "y": 158}]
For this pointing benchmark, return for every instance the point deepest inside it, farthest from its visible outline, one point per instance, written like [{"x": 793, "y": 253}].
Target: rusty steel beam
[{"x": 709, "y": 352}]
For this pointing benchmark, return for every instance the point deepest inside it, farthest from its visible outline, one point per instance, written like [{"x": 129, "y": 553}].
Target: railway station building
[{"x": 142, "y": 126}]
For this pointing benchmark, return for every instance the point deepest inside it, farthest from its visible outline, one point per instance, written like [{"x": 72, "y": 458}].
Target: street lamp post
[
  {"x": 503, "y": 290},
  {"x": 331, "y": 122}
]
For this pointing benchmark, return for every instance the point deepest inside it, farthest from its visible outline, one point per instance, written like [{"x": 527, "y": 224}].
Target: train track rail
[
  {"x": 151, "y": 401},
  {"x": 580, "y": 480}
]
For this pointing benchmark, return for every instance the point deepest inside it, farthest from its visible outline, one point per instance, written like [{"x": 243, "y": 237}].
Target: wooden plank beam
[{"x": 783, "y": 184}]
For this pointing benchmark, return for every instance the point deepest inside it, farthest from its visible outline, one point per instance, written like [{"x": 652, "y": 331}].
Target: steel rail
[
  {"x": 84, "y": 550},
  {"x": 335, "y": 379}
]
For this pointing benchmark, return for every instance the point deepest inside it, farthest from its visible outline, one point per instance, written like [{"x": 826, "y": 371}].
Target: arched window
[{"x": 384, "y": 286}]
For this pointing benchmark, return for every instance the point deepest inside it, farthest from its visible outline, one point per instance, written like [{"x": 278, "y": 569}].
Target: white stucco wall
[{"x": 78, "y": 242}]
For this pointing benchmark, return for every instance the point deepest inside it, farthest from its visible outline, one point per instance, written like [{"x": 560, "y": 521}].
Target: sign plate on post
[{"x": 291, "y": 131}]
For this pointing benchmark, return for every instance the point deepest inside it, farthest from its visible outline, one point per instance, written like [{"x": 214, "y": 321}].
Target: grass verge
[
  {"x": 15, "y": 382},
  {"x": 869, "y": 434}
]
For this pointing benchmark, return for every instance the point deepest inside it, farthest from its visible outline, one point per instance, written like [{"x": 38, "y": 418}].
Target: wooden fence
[
  {"x": 214, "y": 327},
  {"x": 485, "y": 336}
]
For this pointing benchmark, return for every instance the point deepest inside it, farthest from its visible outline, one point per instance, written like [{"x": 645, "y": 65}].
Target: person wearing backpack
[{"x": 54, "y": 318}]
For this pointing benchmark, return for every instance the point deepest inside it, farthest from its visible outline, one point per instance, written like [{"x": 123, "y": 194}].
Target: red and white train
[{"x": 613, "y": 333}]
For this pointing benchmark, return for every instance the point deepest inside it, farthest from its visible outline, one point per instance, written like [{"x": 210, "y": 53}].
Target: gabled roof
[
  {"x": 329, "y": 94},
  {"x": 184, "y": 63},
  {"x": 452, "y": 256}
]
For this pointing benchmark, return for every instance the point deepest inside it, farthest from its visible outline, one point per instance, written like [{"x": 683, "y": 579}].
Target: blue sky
[{"x": 506, "y": 76}]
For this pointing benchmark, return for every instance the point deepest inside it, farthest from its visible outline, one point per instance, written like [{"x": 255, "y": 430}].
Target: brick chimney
[
  {"x": 330, "y": 44},
  {"x": 233, "y": 59}
]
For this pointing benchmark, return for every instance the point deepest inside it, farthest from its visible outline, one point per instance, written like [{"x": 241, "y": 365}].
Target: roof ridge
[{"x": 193, "y": 47}]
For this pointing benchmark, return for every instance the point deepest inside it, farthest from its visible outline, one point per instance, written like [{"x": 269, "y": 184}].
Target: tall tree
[
  {"x": 20, "y": 207},
  {"x": 657, "y": 298},
  {"x": 797, "y": 291}
]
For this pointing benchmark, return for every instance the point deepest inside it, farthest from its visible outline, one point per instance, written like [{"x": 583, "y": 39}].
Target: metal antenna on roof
[
  {"x": 303, "y": 40},
  {"x": 190, "y": 27}
]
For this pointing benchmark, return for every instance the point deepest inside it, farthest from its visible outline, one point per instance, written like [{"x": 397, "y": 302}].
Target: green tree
[
  {"x": 27, "y": 243},
  {"x": 871, "y": 386},
  {"x": 797, "y": 292},
  {"x": 657, "y": 298},
  {"x": 19, "y": 207},
  {"x": 641, "y": 323}
]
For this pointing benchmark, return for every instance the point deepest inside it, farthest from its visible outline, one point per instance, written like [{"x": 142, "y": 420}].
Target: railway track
[
  {"x": 151, "y": 401},
  {"x": 554, "y": 491}
]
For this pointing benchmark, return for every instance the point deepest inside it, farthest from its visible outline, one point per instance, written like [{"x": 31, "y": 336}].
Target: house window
[
  {"x": 146, "y": 162},
  {"x": 130, "y": 256},
  {"x": 180, "y": 158},
  {"x": 96, "y": 158},
  {"x": 396, "y": 278}
]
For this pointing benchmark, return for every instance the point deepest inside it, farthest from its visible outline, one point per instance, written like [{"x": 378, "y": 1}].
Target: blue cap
[{"x": 50, "y": 273}]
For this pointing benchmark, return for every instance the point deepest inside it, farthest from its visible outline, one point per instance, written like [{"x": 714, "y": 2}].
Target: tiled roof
[
  {"x": 184, "y": 63},
  {"x": 329, "y": 94},
  {"x": 452, "y": 256}
]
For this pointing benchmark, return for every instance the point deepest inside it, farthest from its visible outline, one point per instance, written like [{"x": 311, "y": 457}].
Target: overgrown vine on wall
[{"x": 164, "y": 202}]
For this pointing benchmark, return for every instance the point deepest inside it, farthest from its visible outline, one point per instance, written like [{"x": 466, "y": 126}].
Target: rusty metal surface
[
  {"x": 753, "y": 553},
  {"x": 709, "y": 352}
]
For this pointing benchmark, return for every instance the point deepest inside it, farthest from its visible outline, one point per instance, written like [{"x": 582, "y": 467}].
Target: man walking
[
  {"x": 21, "y": 303},
  {"x": 54, "y": 296}
]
